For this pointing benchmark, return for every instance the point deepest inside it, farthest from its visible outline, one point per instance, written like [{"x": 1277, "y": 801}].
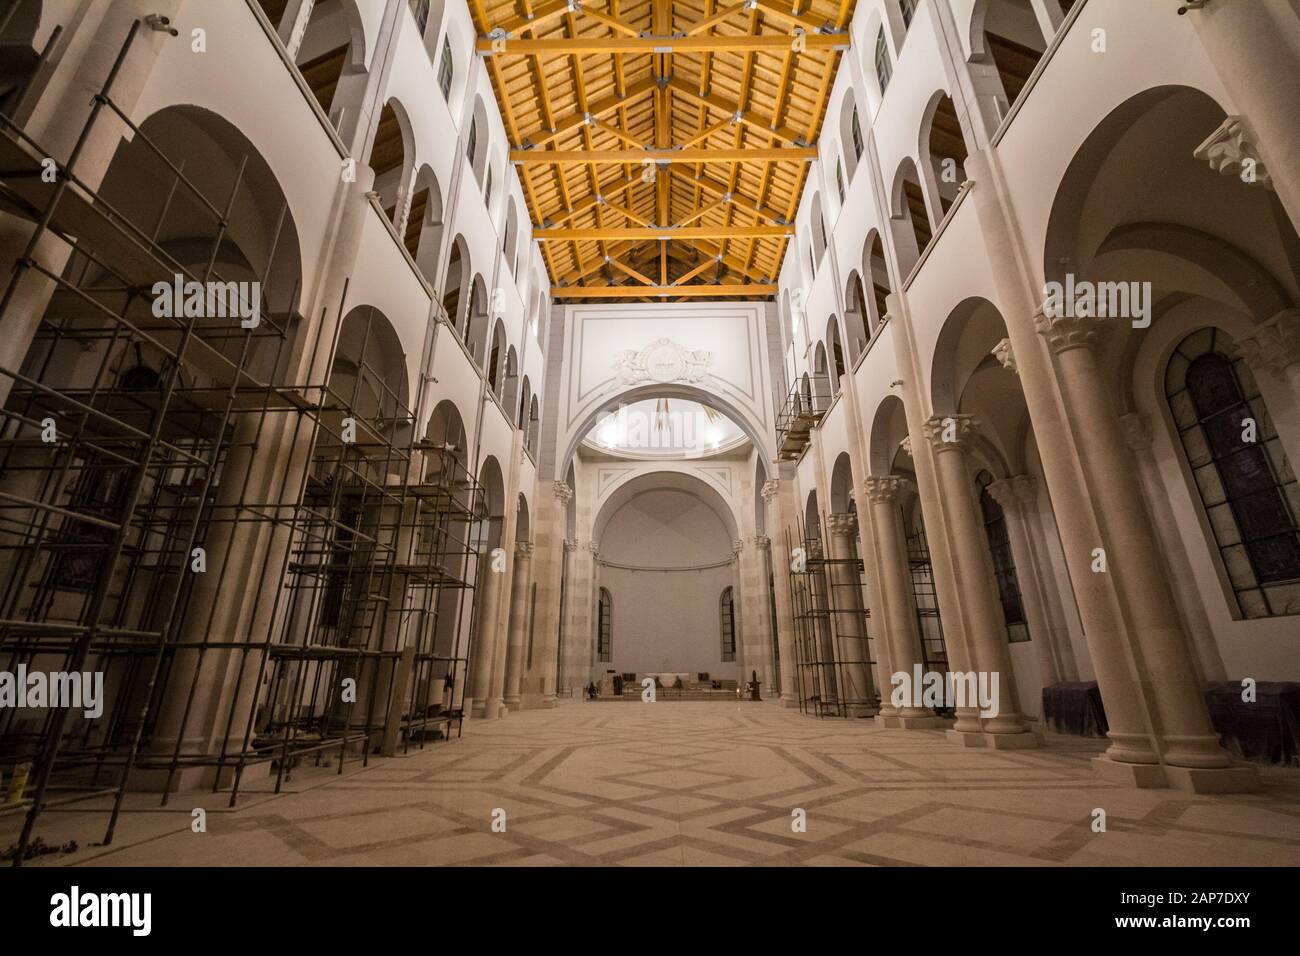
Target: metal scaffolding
[
  {"x": 150, "y": 462},
  {"x": 828, "y": 619}
]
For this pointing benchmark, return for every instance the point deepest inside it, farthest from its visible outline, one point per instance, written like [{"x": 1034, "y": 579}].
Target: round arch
[{"x": 755, "y": 432}]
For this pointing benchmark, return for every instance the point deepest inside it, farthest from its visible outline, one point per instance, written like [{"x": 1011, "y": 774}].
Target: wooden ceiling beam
[
  {"x": 597, "y": 109},
  {"x": 711, "y": 185},
  {"x": 698, "y": 154},
  {"x": 747, "y": 117},
  {"x": 810, "y": 24},
  {"x": 752, "y": 290},
  {"x": 628, "y": 270},
  {"x": 649, "y": 45},
  {"x": 595, "y": 234},
  {"x": 711, "y": 21}
]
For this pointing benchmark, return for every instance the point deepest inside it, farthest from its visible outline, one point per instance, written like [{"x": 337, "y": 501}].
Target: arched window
[
  {"x": 446, "y": 67},
  {"x": 605, "y": 626},
  {"x": 1004, "y": 565},
  {"x": 883, "y": 69},
  {"x": 856, "y": 126},
  {"x": 839, "y": 179},
  {"x": 1245, "y": 482},
  {"x": 727, "y": 617},
  {"x": 908, "y": 9},
  {"x": 420, "y": 10}
]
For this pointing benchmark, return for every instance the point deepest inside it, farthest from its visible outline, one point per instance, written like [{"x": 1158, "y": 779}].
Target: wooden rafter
[{"x": 662, "y": 144}]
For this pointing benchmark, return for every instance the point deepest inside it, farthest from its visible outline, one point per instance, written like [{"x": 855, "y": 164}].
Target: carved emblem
[{"x": 662, "y": 361}]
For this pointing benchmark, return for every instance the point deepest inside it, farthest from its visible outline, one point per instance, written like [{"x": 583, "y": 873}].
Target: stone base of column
[
  {"x": 1239, "y": 778},
  {"x": 894, "y": 722},
  {"x": 1024, "y": 741},
  {"x": 860, "y": 710},
  {"x": 965, "y": 738},
  {"x": 548, "y": 702},
  {"x": 514, "y": 703},
  {"x": 1143, "y": 776}
]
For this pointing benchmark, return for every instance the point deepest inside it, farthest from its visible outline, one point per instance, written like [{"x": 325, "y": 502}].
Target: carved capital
[
  {"x": 842, "y": 525},
  {"x": 762, "y": 542},
  {"x": 771, "y": 488},
  {"x": 570, "y": 547},
  {"x": 885, "y": 488},
  {"x": 523, "y": 549},
  {"x": 1006, "y": 358},
  {"x": 737, "y": 546},
  {"x": 1230, "y": 150},
  {"x": 1025, "y": 487},
  {"x": 1274, "y": 346},
  {"x": 1065, "y": 332},
  {"x": 1012, "y": 492},
  {"x": 562, "y": 491},
  {"x": 951, "y": 432},
  {"x": 1136, "y": 433},
  {"x": 906, "y": 444}
]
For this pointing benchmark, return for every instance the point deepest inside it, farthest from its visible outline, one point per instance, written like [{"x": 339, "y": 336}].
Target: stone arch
[
  {"x": 753, "y": 429},
  {"x": 842, "y": 495},
  {"x": 910, "y": 219},
  {"x": 456, "y": 283}
]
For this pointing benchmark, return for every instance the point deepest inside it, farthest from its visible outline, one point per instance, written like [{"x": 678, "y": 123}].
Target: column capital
[
  {"x": 1005, "y": 356},
  {"x": 885, "y": 488},
  {"x": 1274, "y": 345},
  {"x": 562, "y": 491},
  {"x": 906, "y": 444},
  {"x": 762, "y": 542},
  {"x": 1065, "y": 332},
  {"x": 842, "y": 524},
  {"x": 1011, "y": 492},
  {"x": 593, "y": 547},
  {"x": 951, "y": 432},
  {"x": 771, "y": 488},
  {"x": 737, "y": 546},
  {"x": 523, "y": 549},
  {"x": 1137, "y": 435},
  {"x": 1231, "y": 151},
  {"x": 570, "y": 546}
]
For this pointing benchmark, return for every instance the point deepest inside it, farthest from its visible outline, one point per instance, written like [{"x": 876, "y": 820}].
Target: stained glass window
[{"x": 1240, "y": 471}]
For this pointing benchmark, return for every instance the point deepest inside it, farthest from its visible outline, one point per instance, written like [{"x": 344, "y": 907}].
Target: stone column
[
  {"x": 1014, "y": 496},
  {"x": 950, "y": 437},
  {"x": 293, "y": 25},
  {"x": 538, "y": 684},
  {"x": 1254, "y": 48},
  {"x": 1178, "y": 567},
  {"x": 766, "y": 627},
  {"x": 518, "y": 634},
  {"x": 896, "y": 618},
  {"x": 772, "y": 493},
  {"x": 738, "y": 615},
  {"x": 1158, "y": 669},
  {"x": 488, "y": 594},
  {"x": 847, "y": 617}
]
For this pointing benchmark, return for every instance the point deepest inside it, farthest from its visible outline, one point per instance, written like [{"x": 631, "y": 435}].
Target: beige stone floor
[{"x": 686, "y": 783}]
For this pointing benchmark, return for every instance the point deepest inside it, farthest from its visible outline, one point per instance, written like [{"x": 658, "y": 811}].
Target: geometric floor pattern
[{"x": 700, "y": 783}]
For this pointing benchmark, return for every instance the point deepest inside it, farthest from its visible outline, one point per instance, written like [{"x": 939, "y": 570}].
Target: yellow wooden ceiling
[{"x": 663, "y": 146}]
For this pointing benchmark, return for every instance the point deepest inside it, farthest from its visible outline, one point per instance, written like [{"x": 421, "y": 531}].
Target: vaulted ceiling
[{"x": 663, "y": 146}]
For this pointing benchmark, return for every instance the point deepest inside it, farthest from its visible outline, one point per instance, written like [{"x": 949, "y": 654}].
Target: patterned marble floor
[{"x": 690, "y": 783}]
